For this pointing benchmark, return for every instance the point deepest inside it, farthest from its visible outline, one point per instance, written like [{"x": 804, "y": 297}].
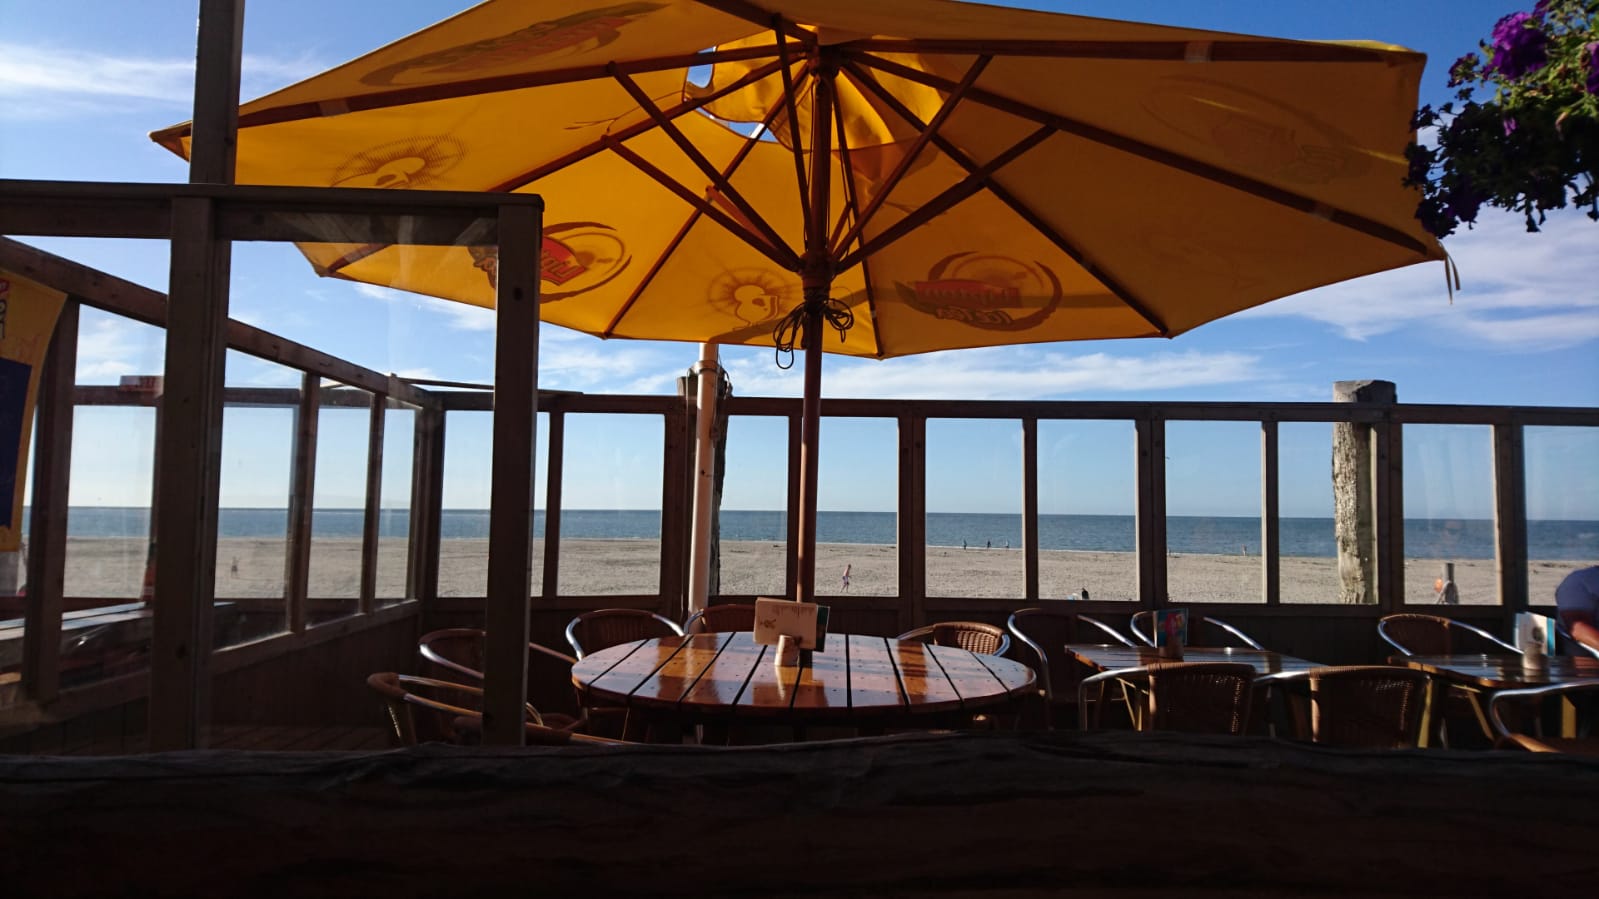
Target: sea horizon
[{"x": 1556, "y": 539}]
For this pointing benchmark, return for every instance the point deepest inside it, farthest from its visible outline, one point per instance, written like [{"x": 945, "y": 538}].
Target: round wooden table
[{"x": 866, "y": 681}]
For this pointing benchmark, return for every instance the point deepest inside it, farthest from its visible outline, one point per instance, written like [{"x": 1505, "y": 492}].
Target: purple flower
[
  {"x": 1519, "y": 48},
  {"x": 1510, "y": 126},
  {"x": 1462, "y": 70},
  {"x": 1592, "y": 52}
]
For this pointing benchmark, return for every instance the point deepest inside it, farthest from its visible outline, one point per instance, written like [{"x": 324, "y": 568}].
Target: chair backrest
[
  {"x": 1511, "y": 711},
  {"x": 423, "y": 709},
  {"x": 1357, "y": 706},
  {"x": 1415, "y": 634},
  {"x": 1098, "y": 629},
  {"x": 1193, "y": 697},
  {"x": 972, "y": 636},
  {"x": 1046, "y": 632},
  {"x": 1199, "y": 697},
  {"x": 717, "y": 619},
  {"x": 603, "y": 628},
  {"x": 1220, "y": 633},
  {"x": 459, "y": 651}
]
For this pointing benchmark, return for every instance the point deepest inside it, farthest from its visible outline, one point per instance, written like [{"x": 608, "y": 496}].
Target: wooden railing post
[
  {"x": 1510, "y": 519},
  {"x": 1356, "y": 495},
  {"x": 912, "y": 519},
  {"x": 1150, "y": 525}
]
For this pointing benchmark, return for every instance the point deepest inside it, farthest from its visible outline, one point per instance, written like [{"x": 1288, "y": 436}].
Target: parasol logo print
[
  {"x": 753, "y": 296},
  {"x": 401, "y": 164},
  {"x": 568, "y": 35},
  {"x": 576, "y": 257},
  {"x": 995, "y": 293},
  {"x": 1255, "y": 132}
]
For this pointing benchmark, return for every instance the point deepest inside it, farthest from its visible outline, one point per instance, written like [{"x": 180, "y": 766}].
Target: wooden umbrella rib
[
  {"x": 753, "y": 14},
  {"x": 677, "y": 239},
  {"x": 852, "y": 206},
  {"x": 1178, "y": 161},
  {"x": 780, "y": 255},
  {"x": 723, "y": 185},
  {"x": 634, "y": 130},
  {"x": 427, "y": 93},
  {"x": 1219, "y": 51},
  {"x": 924, "y": 135},
  {"x": 788, "y": 99},
  {"x": 1116, "y": 288}
]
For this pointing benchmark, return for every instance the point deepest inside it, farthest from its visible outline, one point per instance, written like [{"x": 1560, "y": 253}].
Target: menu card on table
[
  {"x": 1535, "y": 634},
  {"x": 1171, "y": 631},
  {"x": 804, "y": 621}
]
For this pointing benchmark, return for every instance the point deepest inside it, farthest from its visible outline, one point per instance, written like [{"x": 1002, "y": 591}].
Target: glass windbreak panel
[
  {"x": 464, "y": 522},
  {"x": 857, "y": 496},
  {"x": 258, "y": 425},
  {"x": 1449, "y": 515},
  {"x": 109, "y": 561},
  {"x": 974, "y": 505},
  {"x": 610, "y": 541},
  {"x": 338, "y": 503},
  {"x": 394, "y": 512},
  {"x": 753, "y": 518},
  {"x": 1562, "y": 506},
  {"x": 1307, "y": 545},
  {"x": 1087, "y": 507},
  {"x": 1213, "y": 512}
]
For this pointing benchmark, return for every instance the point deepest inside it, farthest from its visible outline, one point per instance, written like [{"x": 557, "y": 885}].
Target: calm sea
[{"x": 1424, "y": 538}]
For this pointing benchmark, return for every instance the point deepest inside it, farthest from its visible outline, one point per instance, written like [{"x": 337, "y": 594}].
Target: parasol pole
[
  {"x": 708, "y": 377},
  {"x": 816, "y": 278}
]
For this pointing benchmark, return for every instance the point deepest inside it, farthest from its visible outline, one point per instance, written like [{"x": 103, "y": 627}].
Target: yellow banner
[{"x": 28, "y": 312}]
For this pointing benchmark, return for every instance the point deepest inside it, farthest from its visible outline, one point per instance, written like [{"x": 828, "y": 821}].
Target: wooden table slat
[
  {"x": 970, "y": 677},
  {"x": 824, "y": 683},
  {"x": 682, "y": 670},
  {"x": 1108, "y": 656},
  {"x": 725, "y": 681},
  {"x": 873, "y": 684},
  {"x": 1501, "y": 672},
  {"x": 770, "y": 690},
  {"x": 927, "y": 688},
  {"x": 643, "y": 658}
]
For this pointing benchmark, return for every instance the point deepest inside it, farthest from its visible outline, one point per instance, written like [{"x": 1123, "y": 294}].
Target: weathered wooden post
[{"x": 1354, "y": 492}]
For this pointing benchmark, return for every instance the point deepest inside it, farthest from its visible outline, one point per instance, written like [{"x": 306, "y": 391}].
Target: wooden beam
[
  {"x": 1030, "y": 508},
  {"x": 677, "y": 462},
  {"x": 791, "y": 522},
  {"x": 1388, "y": 462},
  {"x": 511, "y": 507},
  {"x": 302, "y": 490},
  {"x": 1510, "y": 520},
  {"x": 371, "y": 522},
  {"x": 47, "y": 526},
  {"x": 427, "y": 505},
  {"x": 1219, "y": 51},
  {"x": 1150, "y": 525},
  {"x": 189, "y": 448},
  {"x": 912, "y": 519},
  {"x": 555, "y": 475},
  {"x": 1270, "y": 509}
]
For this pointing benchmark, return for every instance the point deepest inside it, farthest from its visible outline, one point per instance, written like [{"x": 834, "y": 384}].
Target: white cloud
[
  {"x": 109, "y": 347},
  {"x": 1001, "y": 373},
  {"x": 1518, "y": 290},
  {"x": 54, "y": 82}
]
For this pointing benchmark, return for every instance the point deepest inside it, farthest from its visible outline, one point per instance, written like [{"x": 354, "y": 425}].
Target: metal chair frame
[
  {"x": 929, "y": 633},
  {"x": 573, "y": 627},
  {"x": 1386, "y": 622},
  {"x": 1149, "y": 640}
]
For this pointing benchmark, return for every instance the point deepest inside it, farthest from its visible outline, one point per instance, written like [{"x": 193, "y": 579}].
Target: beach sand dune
[{"x": 253, "y": 567}]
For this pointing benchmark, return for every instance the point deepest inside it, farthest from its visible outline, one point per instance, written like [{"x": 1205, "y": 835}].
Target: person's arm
[{"x": 1585, "y": 633}]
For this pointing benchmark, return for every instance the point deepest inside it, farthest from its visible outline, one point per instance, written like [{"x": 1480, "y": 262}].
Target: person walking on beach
[
  {"x": 988, "y": 544},
  {"x": 846, "y": 578}
]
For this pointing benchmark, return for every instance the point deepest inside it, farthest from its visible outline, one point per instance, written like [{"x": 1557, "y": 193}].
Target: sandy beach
[{"x": 253, "y": 567}]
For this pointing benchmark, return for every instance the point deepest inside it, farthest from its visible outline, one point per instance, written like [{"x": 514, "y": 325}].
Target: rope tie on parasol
[{"x": 790, "y": 330}]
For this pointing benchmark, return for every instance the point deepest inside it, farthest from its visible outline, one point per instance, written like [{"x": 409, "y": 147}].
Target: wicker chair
[
  {"x": 1356, "y": 706},
  {"x": 1525, "y": 706},
  {"x": 440, "y": 703},
  {"x": 458, "y": 651},
  {"x": 972, "y": 636},
  {"x": 603, "y": 628},
  {"x": 732, "y": 616},
  {"x": 1193, "y": 697},
  {"x": 1415, "y": 634},
  {"x": 1221, "y": 633},
  {"x": 1045, "y": 633}
]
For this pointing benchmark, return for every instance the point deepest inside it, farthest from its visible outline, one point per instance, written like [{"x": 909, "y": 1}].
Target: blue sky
[{"x": 82, "y": 82}]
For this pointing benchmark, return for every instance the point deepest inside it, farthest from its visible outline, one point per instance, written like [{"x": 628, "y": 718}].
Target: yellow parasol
[{"x": 987, "y": 175}]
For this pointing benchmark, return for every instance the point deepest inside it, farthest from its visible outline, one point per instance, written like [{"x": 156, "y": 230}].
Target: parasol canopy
[{"x": 875, "y": 179}]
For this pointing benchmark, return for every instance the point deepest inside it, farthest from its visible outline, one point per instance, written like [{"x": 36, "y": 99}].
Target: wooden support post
[
  {"x": 678, "y": 457},
  {"x": 1387, "y": 465},
  {"x": 554, "y": 469},
  {"x": 1355, "y": 494},
  {"x": 372, "y": 520},
  {"x": 1150, "y": 526},
  {"x": 1270, "y": 512},
  {"x": 1510, "y": 520},
  {"x": 302, "y": 489},
  {"x": 47, "y": 526},
  {"x": 1030, "y": 508},
  {"x": 912, "y": 520},
  {"x": 795, "y": 466},
  {"x": 516, "y": 403},
  {"x": 427, "y": 505}
]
